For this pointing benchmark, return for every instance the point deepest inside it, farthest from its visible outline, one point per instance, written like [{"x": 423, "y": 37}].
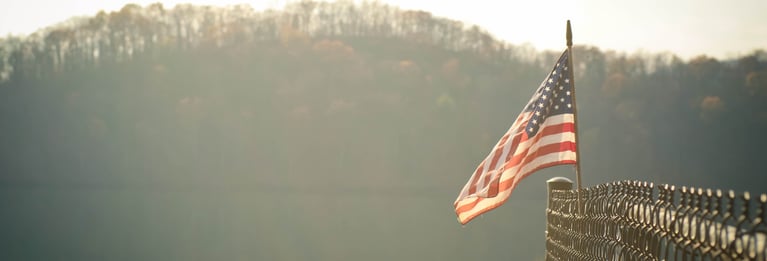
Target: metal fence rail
[{"x": 632, "y": 220}]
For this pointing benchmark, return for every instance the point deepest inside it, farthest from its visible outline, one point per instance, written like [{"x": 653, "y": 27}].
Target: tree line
[{"x": 348, "y": 95}]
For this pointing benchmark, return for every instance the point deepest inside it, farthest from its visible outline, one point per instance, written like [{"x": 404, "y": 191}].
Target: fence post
[{"x": 557, "y": 183}]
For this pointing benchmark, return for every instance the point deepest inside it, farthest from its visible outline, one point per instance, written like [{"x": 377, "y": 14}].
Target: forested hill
[
  {"x": 335, "y": 88},
  {"x": 327, "y": 131}
]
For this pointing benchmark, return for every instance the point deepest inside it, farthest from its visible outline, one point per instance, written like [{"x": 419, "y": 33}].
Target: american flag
[{"x": 542, "y": 136}]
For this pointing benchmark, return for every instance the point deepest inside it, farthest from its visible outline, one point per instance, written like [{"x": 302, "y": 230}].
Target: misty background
[{"x": 327, "y": 131}]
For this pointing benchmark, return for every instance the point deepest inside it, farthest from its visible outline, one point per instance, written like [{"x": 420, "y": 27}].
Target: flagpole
[{"x": 575, "y": 106}]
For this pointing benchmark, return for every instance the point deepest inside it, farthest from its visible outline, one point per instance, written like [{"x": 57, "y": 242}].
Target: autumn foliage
[{"x": 344, "y": 94}]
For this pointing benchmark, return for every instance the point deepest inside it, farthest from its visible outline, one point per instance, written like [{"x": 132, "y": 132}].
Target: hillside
[{"x": 327, "y": 131}]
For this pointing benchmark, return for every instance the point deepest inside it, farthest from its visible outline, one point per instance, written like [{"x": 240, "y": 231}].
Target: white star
[
  {"x": 556, "y": 107},
  {"x": 540, "y": 105},
  {"x": 562, "y": 99},
  {"x": 569, "y": 105},
  {"x": 565, "y": 68},
  {"x": 555, "y": 95},
  {"x": 554, "y": 73},
  {"x": 567, "y": 80},
  {"x": 531, "y": 129},
  {"x": 548, "y": 88},
  {"x": 537, "y": 113},
  {"x": 550, "y": 80},
  {"x": 543, "y": 96},
  {"x": 535, "y": 121},
  {"x": 561, "y": 87},
  {"x": 568, "y": 93}
]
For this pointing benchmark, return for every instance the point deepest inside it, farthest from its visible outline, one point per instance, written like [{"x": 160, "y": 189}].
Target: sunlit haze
[
  {"x": 722, "y": 29},
  {"x": 374, "y": 131}
]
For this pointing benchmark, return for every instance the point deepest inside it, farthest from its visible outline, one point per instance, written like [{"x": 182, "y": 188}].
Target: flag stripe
[
  {"x": 474, "y": 178},
  {"x": 553, "y": 139},
  {"x": 537, "y": 142},
  {"x": 521, "y": 148},
  {"x": 569, "y": 146},
  {"x": 533, "y": 163},
  {"x": 482, "y": 205},
  {"x": 478, "y": 203}
]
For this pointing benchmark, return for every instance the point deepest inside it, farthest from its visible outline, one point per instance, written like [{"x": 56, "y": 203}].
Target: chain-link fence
[{"x": 632, "y": 220}]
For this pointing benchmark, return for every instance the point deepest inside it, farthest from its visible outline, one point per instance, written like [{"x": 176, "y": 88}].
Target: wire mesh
[{"x": 631, "y": 220}]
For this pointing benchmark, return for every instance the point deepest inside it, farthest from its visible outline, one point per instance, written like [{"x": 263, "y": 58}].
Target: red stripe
[
  {"x": 499, "y": 203},
  {"x": 514, "y": 143},
  {"x": 519, "y": 138},
  {"x": 475, "y": 177},
  {"x": 544, "y": 150},
  {"x": 511, "y": 184},
  {"x": 496, "y": 157},
  {"x": 549, "y": 130},
  {"x": 554, "y": 129},
  {"x": 515, "y": 158},
  {"x": 511, "y": 159},
  {"x": 499, "y": 150},
  {"x": 548, "y": 149}
]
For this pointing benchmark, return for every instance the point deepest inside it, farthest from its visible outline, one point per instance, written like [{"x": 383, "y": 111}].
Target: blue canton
[{"x": 553, "y": 97}]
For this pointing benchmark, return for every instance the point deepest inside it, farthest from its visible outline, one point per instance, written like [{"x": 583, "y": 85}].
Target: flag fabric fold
[{"x": 543, "y": 135}]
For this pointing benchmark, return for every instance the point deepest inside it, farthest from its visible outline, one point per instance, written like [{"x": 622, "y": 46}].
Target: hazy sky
[{"x": 686, "y": 27}]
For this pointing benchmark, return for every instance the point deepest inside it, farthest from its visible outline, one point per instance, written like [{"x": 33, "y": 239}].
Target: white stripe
[
  {"x": 498, "y": 164},
  {"x": 566, "y": 155},
  {"x": 547, "y": 140},
  {"x": 481, "y": 189},
  {"x": 465, "y": 190},
  {"x": 557, "y": 138},
  {"x": 504, "y": 194},
  {"x": 507, "y": 146},
  {"x": 525, "y": 117},
  {"x": 512, "y": 173},
  {"x": 555, "y": 120},
  {"x": 545, "y": 159}
]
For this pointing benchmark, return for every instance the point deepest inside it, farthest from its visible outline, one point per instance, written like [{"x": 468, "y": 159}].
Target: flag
[{"x": 543, "y": 135}]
